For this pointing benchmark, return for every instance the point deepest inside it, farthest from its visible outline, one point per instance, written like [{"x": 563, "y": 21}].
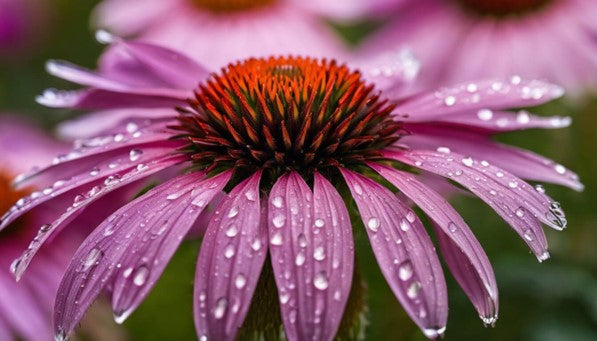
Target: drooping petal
[
  {"x": 312, "y": 255},
  {"x": 461, "y": 250},
  {"x": 522, "y": 163},
  {"x": 496, "y": 94},
  {"x": 82, "y": 202},
  {"x": 523, "y": 207},
  {"x": 404, "y": 253},
  {"x": 230, "y": 261},
  {"x": 135, "y": 244}
]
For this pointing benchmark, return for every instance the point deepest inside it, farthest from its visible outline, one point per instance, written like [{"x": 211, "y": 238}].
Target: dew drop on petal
[
  {"x": 410, "y": 216},
  {"x": 141, "y": 276},
  {"x": 529, "y": 235},
  {"x": 302, "y": 240},
  {"x": 284, "y": 298},
  {"x": 452, "y": 227},
  {"x": 485, "y": 114},
  {"x": 277, "y": 202},
  {"x": 512, "y": 184},
  {"x": 279, "y": 220},
  {"x": 232, "y": 231},
  {"x": 404, "y": 225},
  {"x": 520, "y": 212},
  {"x": 467, "y": 162},
  {"x": 444, "y": 150},
  {"x": 256, "y": 244},
  {"x": 135, "y": 154},
  {"x": 373, "y": 224},
  {"x": 233, "y": 212},
  {"x": 220, "y": 308},
  {"x": 300, "y": 259},
  {"x": 92, "y": 258},
  {"x": 320, "y": 281},
  {"x": 523, "y": 117},
  {"x": 240, "y": 281},
  {"x": 450, "y": 101},
  {"x": 560, "y": 169},
  {"x": 413, "y": 289},
  {"x": 276, "y": 239},
  {"x": 319, "y": 222},
  {"x": 405, "y": 271},
  {"x": 229, "y": 251},
  {"x": 319, "y": 253}
]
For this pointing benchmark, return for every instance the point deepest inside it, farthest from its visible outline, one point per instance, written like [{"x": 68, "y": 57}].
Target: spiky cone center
[
  {"x": 286, "y": 113},
  {"x": 501, "y": 8},
  {"x": 231, "y": 6}
]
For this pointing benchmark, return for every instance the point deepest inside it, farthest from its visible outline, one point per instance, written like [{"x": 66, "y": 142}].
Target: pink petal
[
  {"x": 135, "y": 243},
  {"x": 390, "y": 71},
  {"x": 98, "y": 190},
  {"x": 495, "y": 94},
  {"x": 463, "y": 253},
  {"x": 230, "y": 261},
  {"x": 312, "y": 255},
  {"x": 514, "y": 200},
  {"x": 520, "y": 162},
  {"x": 404, "y": 253}
]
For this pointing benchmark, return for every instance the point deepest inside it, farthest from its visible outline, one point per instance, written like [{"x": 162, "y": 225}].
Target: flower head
[
  {"x": 459, "y": 40},
  {"x": 280, "y": 136}
]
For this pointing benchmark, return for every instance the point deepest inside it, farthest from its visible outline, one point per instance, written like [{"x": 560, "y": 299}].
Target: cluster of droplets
[
  {"x": 523, "y": 118},
  {"x": 472, "y": 93}
]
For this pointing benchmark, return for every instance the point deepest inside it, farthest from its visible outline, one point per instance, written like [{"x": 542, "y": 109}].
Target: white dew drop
[
  {"x": 276, "y": 239},
  {"x": 232, "y": 231},
  {"x": 127, "y": 272},
  {"x": 229, "y": 251},
  {"x": 358, "y": 189},
  {"x": 250, "y": 195},
  {"x": 432, "y": 333},
  {"x": 279, "y": 220},
  {"x": 489, "y": 321},
  {"x": 529, "y": 235},
  {"x": 92, "y": 259},
  {"x": 467, "y": 162},
  {"x": 337, "y": 295},
  {"x": 512, "y": 184},
  {"x": 452, "y": 227},
  {"x": 320, "y": 281},
  {"x": 443, "y": 150},
  {"x": 410, "y": 216},
  {"x": 233, "y": 212},
  {"x": 109, "y": 230},
  {"x": 523, "y": 117},
  {"x": 450, "y": 101},
  {"x": 131, "y": 127},
  {"x": 277, "y": 202},
  {"x": 499, "y": 174},
  {"x": 373, "y": 224},
  {"x": 519, "y": 212},
  {"x": 220, "y": 308},
  {"x": 300, "y": 258},
  {"x": 485, "y": 114},
  {"x": 540, "y": 188},
  {"x": 302, "y": 240},
  {"x": 560, "y": 169},
  {"x": 404, "y": 225},
  {"x": 472, "y": 87},
  {"x": 284, "y": 298},
  {"x": 141, "y": 276},
  {"x": 319, "y": 253},
  {"x": 256, "y": 244},
  {"x": 319, "y": 222},
  {"x": 405, "y": 271},
  {"x": 135, "y": 154},
  {"x": 240, "y": 281},
  {"x": 413, "y": 289}
]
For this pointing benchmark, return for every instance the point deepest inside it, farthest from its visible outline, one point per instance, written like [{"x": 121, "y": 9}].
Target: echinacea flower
[
  {"x": 26, "y": 307},
  {"x": 216, "y": 32},
  {"x": 459, "y": 40},
  {"x": 282, "y": 137}
]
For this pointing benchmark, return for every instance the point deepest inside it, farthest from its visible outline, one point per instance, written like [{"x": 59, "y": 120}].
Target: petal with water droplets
[
  {"x": 404, "y": 253},
  {"x": 230, "y": 261}
]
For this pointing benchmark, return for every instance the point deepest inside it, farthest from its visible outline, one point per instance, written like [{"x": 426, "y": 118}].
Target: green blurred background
[{"x": 556, "y": 300}]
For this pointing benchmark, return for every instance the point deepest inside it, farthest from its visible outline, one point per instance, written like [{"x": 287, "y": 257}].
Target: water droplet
[
  {"x": 520, "y": 212},
  {"x": 471, "y": 87},
  {"x": 279, "y": 220},
  {"x": 560, "y": 169},
  {"x": 320, "y": 281},
  {"x": 319, "y": 253},
  {"x": 413, "y": 289},
  {"x": 277, "y": 202},
  {"x": 358, "y": 189},
  {"x": 319, "y": 222},
  {"x": 410, "y": 216},
  {"x": 302, "y": 240},
  {"x": 250, "y": 195},
  {"x": 405, "y": 271},
  {"x": 523, "y": 117},
  {"x": 127, "y": 272},
  {"x": 229, "y": 251},
  {"x": 540, "y": 188},
  {"x": 141, "y": 276},
  {"x": 135, "y": 154},
  {"x": 489, "y": 321},
  {"x": 284, "y": 298},
  {"x": 92, "y": 259},
  {"x": 337, "y": 295},
  {"x": 512, "y": 184},
  {"x": 300, "y": 258},
  {"x": 450, "y": 101},
  {"x": 109, "y": 230},
  {"x": 233, "y": 212},
  {"x": 373, "y": 223},
  {"x": 276, "y": 239},
  {"x": 485, "y": 114},
  {"x": 529, "y": 235},
  {"x": 444, "y": 150},
  {"x": 515, "y": 80},
  {"x": 240, "y": 281},
  {"x": 452, "y": 227},
  {"x": 499, "y": 174},
  {"x": 131, "y": 127},
  {"x": 256, "y": 245},
  {"x": 467, "y": 162},
  {"x": 220, "y": 308},
  {"x": 232, "y": 231},
  {"x": 404, "y": 225},
  {"x": 94, "y": 172}
]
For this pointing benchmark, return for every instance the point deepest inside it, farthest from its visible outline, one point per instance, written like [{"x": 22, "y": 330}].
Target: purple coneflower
[
  {"x": 459, "y": 40},
  {"x": 282, "y": 137},
  {"x": 240, "y": 28},
  {"x": 26, "y": 307}
]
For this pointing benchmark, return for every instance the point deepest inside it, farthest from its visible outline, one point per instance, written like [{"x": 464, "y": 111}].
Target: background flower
[{"x": 458, "y": 40}]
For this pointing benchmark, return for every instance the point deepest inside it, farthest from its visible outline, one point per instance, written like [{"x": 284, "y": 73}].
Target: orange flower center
[
  {"x": 286, "y": 113},
  {"x": 8, "y": 195},
  {"x": 230, "y": 6},
  {"x": 500, "y": 8}
]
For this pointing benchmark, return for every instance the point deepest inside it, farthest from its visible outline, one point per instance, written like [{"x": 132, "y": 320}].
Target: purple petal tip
[{"x": 489, "y": 321}]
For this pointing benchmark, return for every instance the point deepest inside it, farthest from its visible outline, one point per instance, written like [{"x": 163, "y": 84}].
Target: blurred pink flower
[
  {"x": 280, "y": 135},
  {"x": 217, "y": 32},
  {"x": 459, "y": 40},
  {"x": 20, "y": 25},
  {"x": 26, "y": 307}
]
